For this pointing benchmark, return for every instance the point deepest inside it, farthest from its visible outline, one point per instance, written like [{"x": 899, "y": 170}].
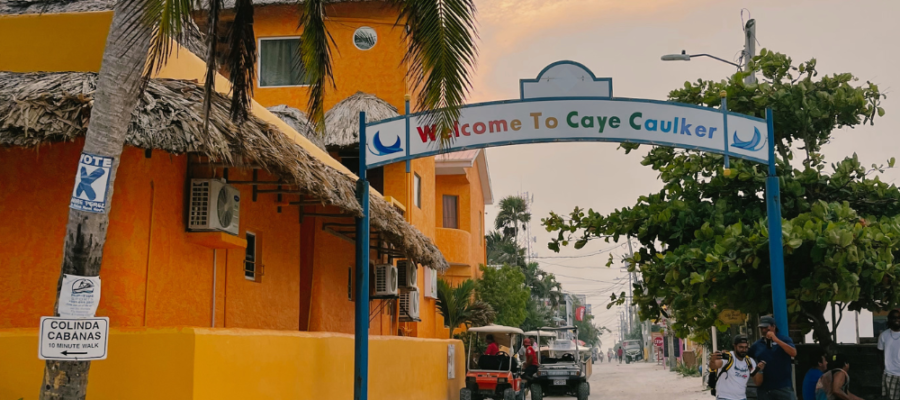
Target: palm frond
[
  {"x": 241, "y": 60},
  {"x": 209, "y": 86},
  {"x": 442, "y": 53},
  {"x": 170, "y": 19},
  {"x": 315, "y": 58}
]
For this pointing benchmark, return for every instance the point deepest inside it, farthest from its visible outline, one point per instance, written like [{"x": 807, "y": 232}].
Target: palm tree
[
  {"x": 457, "y": 307},
  {"x": 513, "y": 215},
  {"x": 503, "y": 250},
  {"x": 442, "y": 51}
]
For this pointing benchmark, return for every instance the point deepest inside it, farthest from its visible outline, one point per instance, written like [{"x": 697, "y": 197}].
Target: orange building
[{"x": 283, "y": 267}]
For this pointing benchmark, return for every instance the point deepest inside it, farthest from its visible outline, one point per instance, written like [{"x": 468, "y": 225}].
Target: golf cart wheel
[
  {"x": 509, "y": 394},
  {"x": 537, "y": 392},
  {"x": 584, "y": 390},
  {"x": 465, "y": 394}
]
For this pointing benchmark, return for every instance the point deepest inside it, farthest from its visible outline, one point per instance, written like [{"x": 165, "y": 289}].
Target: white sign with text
[
  {"x": 91, "y": 183},
  {"x": 73, "y": 339},
  {"x": 79, "y": 296}
]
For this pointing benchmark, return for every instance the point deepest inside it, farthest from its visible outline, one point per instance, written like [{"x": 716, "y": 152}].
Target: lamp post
[{"x": 747, "y": 55}]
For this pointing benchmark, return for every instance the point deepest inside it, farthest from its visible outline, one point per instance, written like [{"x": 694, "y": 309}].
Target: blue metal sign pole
[
  {"x": 361, "y": 331},
  {"x": 776, "y": 252}
]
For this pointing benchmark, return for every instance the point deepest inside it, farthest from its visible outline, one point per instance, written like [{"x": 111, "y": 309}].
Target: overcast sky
[{"x": 624, "y": 40}]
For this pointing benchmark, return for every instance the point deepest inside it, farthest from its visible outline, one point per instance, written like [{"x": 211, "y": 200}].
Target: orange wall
[
  {"x": 380, "y": 70},
  {"x": 471, "y": 211},
  {"x": 147, "y": 255}
]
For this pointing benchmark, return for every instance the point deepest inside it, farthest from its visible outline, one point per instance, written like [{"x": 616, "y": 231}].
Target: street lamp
[{"x": 687, "y": 57}]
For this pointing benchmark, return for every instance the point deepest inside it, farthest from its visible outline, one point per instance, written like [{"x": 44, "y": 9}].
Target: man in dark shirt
[{"x": 776, "y": 349}]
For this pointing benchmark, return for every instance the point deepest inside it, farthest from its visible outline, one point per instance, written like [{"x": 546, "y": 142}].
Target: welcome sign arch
[{"x": 567, "y": 103}]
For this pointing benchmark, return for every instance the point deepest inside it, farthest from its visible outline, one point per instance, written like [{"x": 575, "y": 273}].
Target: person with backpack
[
  {"x": 835, "y": 384},
  {"x": 730, "y": 371}
]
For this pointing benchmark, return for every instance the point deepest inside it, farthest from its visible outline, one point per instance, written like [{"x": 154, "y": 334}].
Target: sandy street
[{"x": 643, "y": 381}]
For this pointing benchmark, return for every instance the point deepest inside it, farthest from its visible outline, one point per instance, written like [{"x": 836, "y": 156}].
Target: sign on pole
[
  {"x": 658, "y": 341},
  {"x": 732, "y": 317},
  {"x": 79, "y": 296},
  {"x": 73, "y": 339},
  {"x": 91, "y": 183}
]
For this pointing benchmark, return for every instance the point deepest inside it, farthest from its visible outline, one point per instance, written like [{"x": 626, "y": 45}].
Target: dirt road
[{"x": 643, "y": 381}]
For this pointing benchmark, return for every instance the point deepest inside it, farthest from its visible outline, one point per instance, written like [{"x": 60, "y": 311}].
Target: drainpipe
[{"x": 215, "y": 269}]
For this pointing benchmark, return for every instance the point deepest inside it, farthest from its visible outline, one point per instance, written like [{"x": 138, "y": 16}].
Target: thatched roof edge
[{"x": 41, "y": 108}]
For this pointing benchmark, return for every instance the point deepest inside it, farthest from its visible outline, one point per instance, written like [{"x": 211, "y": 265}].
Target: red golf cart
[{"x": 495, "y": 376}]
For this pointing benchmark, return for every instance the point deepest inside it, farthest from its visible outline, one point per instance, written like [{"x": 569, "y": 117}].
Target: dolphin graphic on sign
[
  {"x": 381, "y": 149},
  {"x": 755, "y": 144}
]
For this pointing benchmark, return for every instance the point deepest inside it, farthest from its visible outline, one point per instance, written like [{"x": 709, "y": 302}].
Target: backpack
[{"x": 714, "y": 374}]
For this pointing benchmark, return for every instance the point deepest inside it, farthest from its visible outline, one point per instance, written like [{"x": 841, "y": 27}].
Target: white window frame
[
  {"x": 259, "y": 62},
  {"x": 255, "y": 258}
]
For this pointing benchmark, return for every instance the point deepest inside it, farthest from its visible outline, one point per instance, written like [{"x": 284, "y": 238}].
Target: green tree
[
  {"x": 503, "y": 250},
  {"x": 457, "y": 307},
  {"x": 504, "y": 289},
  {"x": 704, "y": 237},
  {"x": 440, "y": 35},
  {"x": 513, "y": 216},
  {"x": 536, "y": 315}
]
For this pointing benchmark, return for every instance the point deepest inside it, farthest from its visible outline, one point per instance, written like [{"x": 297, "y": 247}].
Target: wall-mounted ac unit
[
  {"x": 408, "y": 274},
  {"x": 385, "y": 280},
  {"x": 214, "y": 206},
  {"x": 409, "y": 306}
]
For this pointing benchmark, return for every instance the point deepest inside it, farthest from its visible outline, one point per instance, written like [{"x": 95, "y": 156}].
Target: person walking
[
  {"x": 817, "y": 366},
  {"x": 619, "y": 354},
  {"x": 777, "y": 350},
  {"x": 733, "y": 370},
  {"x": 889, "y": 344},
  {"x": 835, "y": 384}
]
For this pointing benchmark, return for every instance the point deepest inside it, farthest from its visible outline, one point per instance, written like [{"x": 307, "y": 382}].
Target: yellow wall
[
  {"x": 197, "y": 363},
  {"x": 55, "y": 42},
  {"x": 380, "y": 70}
]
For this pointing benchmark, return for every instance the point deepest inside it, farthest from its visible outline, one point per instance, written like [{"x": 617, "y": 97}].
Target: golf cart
[
  {"x": 632, "y": 351},
  {"x": 562, "y": 370},
  {"x": 497, "y": 376}
]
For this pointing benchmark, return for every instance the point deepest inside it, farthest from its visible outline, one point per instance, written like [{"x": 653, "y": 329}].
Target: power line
[{"x": 585, "y": 255}]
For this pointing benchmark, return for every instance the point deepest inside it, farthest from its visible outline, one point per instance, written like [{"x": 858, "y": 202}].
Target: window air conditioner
[
  {"x": 385, "y": 280},
  {"x": 214, "y": 206},
  {"x": 409, "y": 306},
  {"x": 408, "y": 274}
]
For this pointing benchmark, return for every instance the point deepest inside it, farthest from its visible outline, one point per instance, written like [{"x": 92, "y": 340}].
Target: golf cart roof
[
  {"x": 557, "y": 328},
  {"x": 540, "y": 333},
  {"x": 496, "y": 329}
]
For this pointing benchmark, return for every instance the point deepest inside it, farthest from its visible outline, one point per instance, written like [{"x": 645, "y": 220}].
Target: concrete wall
[{"x": 199, "y": 364}]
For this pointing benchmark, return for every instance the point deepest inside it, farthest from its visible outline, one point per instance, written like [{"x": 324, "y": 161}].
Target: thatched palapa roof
[
  {"x": 40, "y": 108},
  {"x": 342, "y": 120},
  {"x": 298, "y": 121}
]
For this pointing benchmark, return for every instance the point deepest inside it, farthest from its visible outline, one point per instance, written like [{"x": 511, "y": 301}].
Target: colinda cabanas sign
[{"x": 565, "y": 103}]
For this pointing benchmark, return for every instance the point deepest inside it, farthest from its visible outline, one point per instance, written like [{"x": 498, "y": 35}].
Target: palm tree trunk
[{"x": 117, "y": 94}]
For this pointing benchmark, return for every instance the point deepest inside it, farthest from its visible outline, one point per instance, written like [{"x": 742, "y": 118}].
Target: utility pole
[
  {"x": 749, "y": 49},
  {"x": 630, "y": 289}
]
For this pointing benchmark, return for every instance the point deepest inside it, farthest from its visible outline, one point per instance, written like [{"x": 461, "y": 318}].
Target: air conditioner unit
[
  {"x": 409, "y": 306},
  {"x": 408, "y": 274},
  {"x": 214, "y": 206},
  {"x": 385, "y": 280}
]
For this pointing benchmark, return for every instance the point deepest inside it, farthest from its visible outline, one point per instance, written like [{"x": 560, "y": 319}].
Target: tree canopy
[
  {"x": 704, "y": 236},
  {"x": 504, "y": 289}
]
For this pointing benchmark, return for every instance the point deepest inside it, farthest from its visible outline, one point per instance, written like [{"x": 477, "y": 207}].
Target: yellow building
[{"x": 262, "y": 308}]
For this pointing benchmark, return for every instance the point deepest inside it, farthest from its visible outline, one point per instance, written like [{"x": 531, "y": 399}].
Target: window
[
  {"x": 417, "y": 190},
  {"x": 251, "y": 257},
  {"x": 279, "y": 63},
  {"x": 450, "y": 214}
]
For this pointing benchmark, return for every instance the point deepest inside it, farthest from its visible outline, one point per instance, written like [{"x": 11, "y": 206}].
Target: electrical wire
[{"x": 584, "y": 255}]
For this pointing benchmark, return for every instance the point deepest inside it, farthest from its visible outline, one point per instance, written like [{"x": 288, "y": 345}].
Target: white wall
[{"x": 846, "y": 331}]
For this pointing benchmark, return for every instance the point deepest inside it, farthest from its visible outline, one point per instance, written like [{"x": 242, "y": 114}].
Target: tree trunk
[
  {"x": 117, "y": 94},
  {"x": 815, "y": 314}
]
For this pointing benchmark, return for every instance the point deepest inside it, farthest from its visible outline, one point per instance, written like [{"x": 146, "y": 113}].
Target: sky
[{"x": 624, "y": 40}]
